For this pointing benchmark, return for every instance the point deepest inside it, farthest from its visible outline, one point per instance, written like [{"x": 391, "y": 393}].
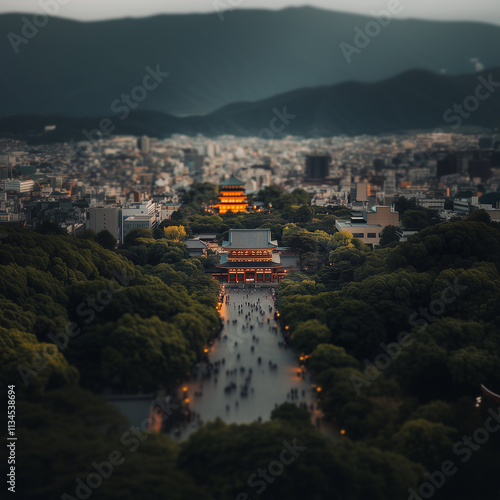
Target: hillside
[
  {"x": 75, "y": 68},
  {"x": 415, "y": 100}
]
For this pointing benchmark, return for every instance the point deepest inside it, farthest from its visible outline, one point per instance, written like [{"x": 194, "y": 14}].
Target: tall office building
[
  {"x": 210, "y": 150},
  {"x": 447, "y": 166},
  {"x": 5, "y": 172},
  {"x": 317, "y": 167},
  {"x": 138, "y": 214},
  {"x": 143, "y": 144},
  {"x": 194, "y": 162},
  {"x": 19, "y": 186},
  {"x": 362, "y": 191},
  {"x": 390, "y": 184},
  {"x": 104, "y": 218}
]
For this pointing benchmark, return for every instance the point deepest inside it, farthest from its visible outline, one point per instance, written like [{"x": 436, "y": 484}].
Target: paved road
[{"x": 271, "y": 381}]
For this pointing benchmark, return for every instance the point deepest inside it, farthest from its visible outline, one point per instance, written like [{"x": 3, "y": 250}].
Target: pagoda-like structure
[
  {"x": 231, "y": 196},
  {"x": 251, "y": 257}
]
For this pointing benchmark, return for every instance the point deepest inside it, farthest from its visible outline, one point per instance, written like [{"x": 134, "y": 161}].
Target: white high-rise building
[{"x": 19, "y": 186}]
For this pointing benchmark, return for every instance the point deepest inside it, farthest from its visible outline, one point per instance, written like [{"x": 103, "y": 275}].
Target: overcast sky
[{"x": 477, "y": 10}]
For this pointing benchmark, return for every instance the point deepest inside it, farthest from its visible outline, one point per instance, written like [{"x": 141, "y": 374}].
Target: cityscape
[
  {"x": 250, "y": 251},
  {"x": 139, "y": 182}
]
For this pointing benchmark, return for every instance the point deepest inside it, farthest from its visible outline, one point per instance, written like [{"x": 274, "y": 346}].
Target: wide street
[{"x": 249, "y": 371}]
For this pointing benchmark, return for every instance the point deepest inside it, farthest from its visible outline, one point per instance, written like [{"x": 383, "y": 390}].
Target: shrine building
[
  {"x": 251, "y": 257},
  {"x": 231, "y": 196}
]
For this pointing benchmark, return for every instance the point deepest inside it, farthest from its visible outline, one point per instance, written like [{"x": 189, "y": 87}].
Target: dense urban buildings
[{"x": 135, "y": 183}]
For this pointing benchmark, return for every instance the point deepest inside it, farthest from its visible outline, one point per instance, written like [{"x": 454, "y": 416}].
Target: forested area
[
  {"x": 78, "y": 319},
  {"x": 400, "y": 340}
]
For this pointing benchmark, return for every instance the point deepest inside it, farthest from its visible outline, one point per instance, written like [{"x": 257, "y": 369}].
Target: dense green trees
[
  {"x": 133, "y": 234},
  {"x": 420, "y": 218},
  {"x": 69, "y": 437},
  {"x": 74, "y": 314},
  {"x": 34, "y": 366},
  {"x": 123, "y": 320},
  {"x": 137, "y": 353},
  {"x": 423, "y": 442},
  {"x": 308, "y": 334},
  {"x": 236, "y": 459},
  {"x": 389, "y": 235},
  {"x": 106, "y": 239},
  {"x": 412, "y": 394}
]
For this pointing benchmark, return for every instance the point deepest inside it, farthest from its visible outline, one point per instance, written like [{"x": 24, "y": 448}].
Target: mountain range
[
  {"x": 413, "y": 101},
  {"x": 71, "y": 68}
]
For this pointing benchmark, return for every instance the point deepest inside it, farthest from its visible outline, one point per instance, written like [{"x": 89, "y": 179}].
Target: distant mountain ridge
[
  {"x": 414, "y": 100},
  {"x": 74, "y": 68}
]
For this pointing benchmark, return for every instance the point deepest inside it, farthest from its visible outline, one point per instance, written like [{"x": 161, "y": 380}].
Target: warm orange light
[
  {"x": 342, "y": 431},
  {"x": 278, "y": 314},
  {"x": 205, "y": 350},
  {"x": 186, "y": 400},
  {"x": 287, "y": 327},
  {"x": 318, "y": 389},
  {"x": 184, "y": 388}
]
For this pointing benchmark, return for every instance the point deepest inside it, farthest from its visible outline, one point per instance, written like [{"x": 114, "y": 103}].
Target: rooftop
[
  {"x": 348, "y": 223},
  {"x": 195, "y": 243},
  {"x": 232, "y": 181},
  {"x": 249, "y": 238}
]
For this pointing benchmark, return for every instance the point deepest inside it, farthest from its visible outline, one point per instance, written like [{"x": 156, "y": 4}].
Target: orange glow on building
[
  {"x": 232, "y": 196},
  {"x": 250, "y": 257}
]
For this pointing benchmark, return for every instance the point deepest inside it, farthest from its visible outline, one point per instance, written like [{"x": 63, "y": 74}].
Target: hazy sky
[{"x": 477, "y": 10}]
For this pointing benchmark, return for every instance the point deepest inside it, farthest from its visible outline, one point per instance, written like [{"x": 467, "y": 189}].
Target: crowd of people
[{"x": 246, "y": 313}]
